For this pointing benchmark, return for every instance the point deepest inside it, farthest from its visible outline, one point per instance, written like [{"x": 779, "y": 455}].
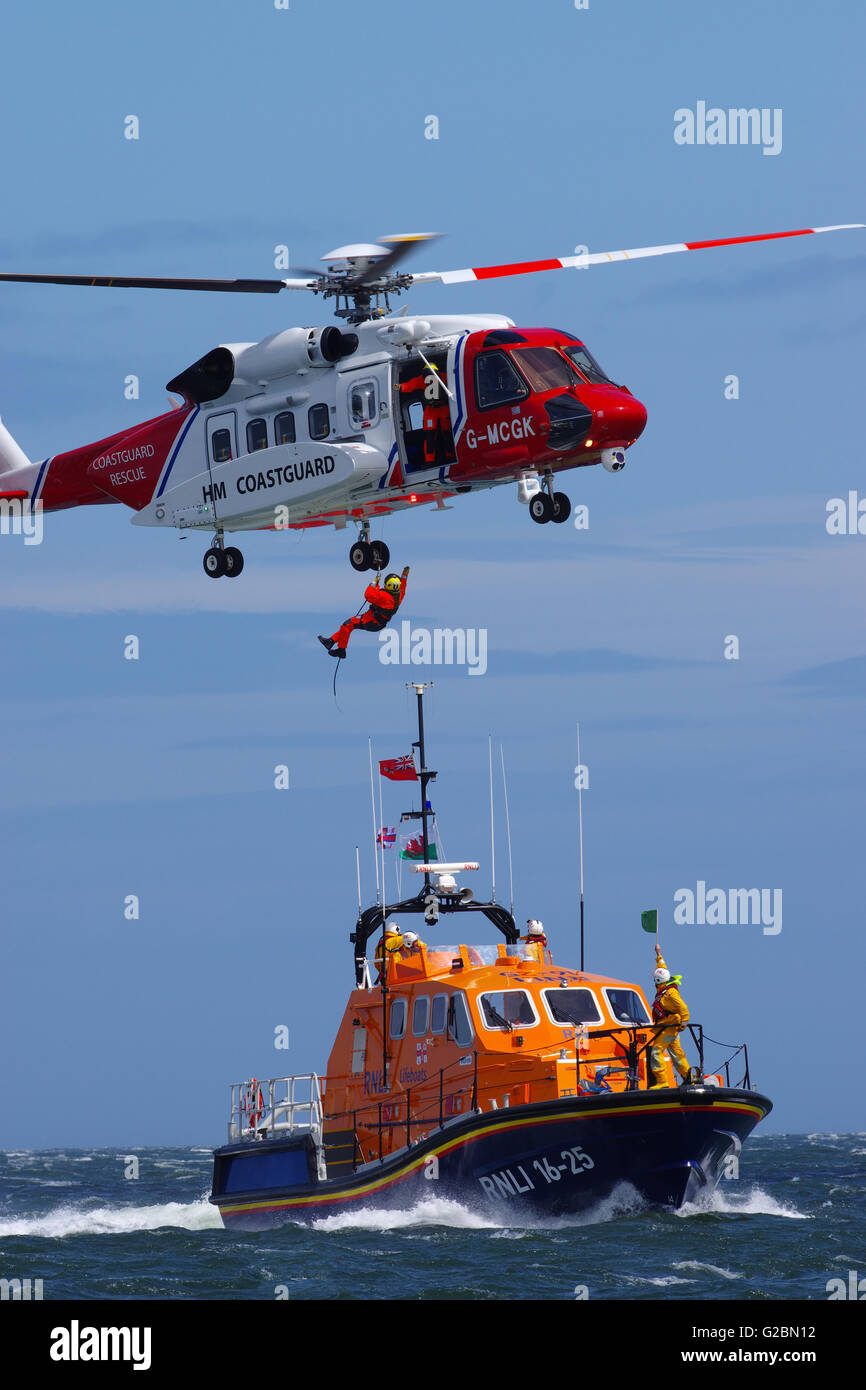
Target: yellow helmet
[{"x": 392, "y": 584}]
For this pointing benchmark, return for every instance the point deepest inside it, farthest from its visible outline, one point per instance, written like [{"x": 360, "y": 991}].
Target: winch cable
[{"x": 340, "y": 660}]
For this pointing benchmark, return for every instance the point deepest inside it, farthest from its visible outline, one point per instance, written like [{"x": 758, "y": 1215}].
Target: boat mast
[{"x": 424, "y": 776}]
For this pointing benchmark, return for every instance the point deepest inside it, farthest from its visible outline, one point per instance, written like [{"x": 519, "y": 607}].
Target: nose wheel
[{"x": 222, "y": 560}]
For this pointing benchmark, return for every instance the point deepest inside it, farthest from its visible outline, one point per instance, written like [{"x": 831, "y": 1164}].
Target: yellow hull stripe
[{"x": 377, "y": 1183}]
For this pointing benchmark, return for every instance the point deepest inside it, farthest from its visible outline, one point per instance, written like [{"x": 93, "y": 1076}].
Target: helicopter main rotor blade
[
  {"x": 399, "y": 248},
  {"x": 493, "y": 272},
  {"x": 135, "y": 282}
]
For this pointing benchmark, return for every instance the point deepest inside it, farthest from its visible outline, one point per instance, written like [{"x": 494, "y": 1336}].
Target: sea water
[{"x": 792, "y": 1225}]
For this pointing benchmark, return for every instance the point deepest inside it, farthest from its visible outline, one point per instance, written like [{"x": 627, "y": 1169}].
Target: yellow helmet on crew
[{"x": 392, "y": 584}]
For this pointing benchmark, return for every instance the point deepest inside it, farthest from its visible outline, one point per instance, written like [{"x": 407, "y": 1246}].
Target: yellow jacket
[{"x": 668, "y": 998}]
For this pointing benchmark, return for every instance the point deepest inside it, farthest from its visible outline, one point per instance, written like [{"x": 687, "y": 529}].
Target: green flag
[{"x": 650, "y": 920}]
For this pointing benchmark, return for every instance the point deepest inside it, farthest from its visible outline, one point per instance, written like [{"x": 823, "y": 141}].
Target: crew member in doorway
[
  {"x": 670, "y": 1014},
  {"x": 383, "y": 604},
  {"x": 436, "y": 420}
]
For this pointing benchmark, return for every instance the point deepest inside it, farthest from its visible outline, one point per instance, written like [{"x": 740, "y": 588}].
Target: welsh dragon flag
[{"x": 414, "y": 849}]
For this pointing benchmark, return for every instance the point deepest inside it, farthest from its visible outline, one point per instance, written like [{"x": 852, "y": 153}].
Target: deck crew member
[
  {"x": 671, "y": 1014},
  {"x": 394, "y": 941},
  {"x": 536, "y": 940},
  {"x": 383, "y": 604}
]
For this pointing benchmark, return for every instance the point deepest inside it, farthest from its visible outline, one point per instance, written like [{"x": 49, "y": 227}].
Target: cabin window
[
  {"x": 420, "y": 1015},
  {"x": 503, "y": 1008},
  {"x": 497, "y": 381},
  {"x": 398, "y": 1018},
  {"x": 586, "y": 364},
  {"x": 569, "y": 1006},
  {"x": 363, "y": 405},
  {"x": 545, "y": 369},
  {"x": 257, "y": 435},
  {"x": 284, "y": 428},
  {"x": 459, "y": 1022},
  {"x": 627, "y": 1006},
  {"x": 359, "y": 1049},
  {"x": 221, "y": 446},
  {"x": 319, "y": 418},
  {"x": 439, "y": 1013}
]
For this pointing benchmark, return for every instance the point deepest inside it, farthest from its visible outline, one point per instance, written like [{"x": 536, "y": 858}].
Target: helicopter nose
[{"x": 630, "y": 416}]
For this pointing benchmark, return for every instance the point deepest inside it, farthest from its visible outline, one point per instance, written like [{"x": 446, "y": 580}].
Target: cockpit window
[
  {"x": 627, "y": 1006},
  {"x": 568, "y": 1006},
  {"x": 545, "y": 368},
  {"x": 504, "y": 1008},
  {"x": 586, "y": 364},
  {"x": 497, "y": 381}
]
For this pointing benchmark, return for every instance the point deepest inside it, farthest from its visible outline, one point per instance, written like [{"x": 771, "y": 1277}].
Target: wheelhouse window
[
  {"x": 545, "y": 368},
  {"x": 570, "y": 1006},
  {"x": 221, "y": 446},
  {"x": 586, "y": 364},
  {"x": 284, "y": 428},
  {"x": 503, "y": 1008},
  {"x": 497, "y": 381},
  {"x": 363, "y": 405},
  {"x": 438, "y": 1013},
  {"x": 398, "y": 1018},
  {"x": 459, "y": 1022},
  {"x": 319, "y": 418},
  {"x": 627, "y": 1006},
  {"x": 257, "y": 435},
  {"x": 420, "y": 1015}
]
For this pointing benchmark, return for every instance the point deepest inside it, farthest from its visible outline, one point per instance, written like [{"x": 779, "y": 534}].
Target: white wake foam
[
  {"x": 754, "y": 1202},
  {"x": 115, "y": 1221},
  {"x": 439, "y": 1211},
  {"x": 433, "y": 1211},
  {"x": 701, "y": 1265}
]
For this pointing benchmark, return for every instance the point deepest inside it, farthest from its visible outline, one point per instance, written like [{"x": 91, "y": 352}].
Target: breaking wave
[{"x": 115, "y": 1221}]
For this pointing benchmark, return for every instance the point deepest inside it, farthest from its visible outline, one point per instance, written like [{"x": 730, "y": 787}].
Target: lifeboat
[{"x": 484, "y": 1073}]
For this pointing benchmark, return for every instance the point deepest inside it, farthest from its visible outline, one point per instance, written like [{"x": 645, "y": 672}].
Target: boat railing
[
  {"x": 435, "y": 1103},
  {"x": 285, "y": 1105}
]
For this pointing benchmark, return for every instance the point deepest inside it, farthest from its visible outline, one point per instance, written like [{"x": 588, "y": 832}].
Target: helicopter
[{"x": 332, "y": 426}]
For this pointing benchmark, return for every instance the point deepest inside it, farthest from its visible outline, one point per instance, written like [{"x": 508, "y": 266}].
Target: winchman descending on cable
[{"x": 383, "y": 604}]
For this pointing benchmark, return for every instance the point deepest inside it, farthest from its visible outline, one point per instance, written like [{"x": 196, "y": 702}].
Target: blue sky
[{"x": 306, "y": 127}]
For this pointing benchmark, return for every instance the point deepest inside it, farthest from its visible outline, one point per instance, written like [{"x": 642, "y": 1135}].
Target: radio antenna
[
  {"x": 580, "y": 836},
  {"x": 379, "y": 898},
  {"x": 492, "y": 838},
  {"x": 507, "y": 831}
]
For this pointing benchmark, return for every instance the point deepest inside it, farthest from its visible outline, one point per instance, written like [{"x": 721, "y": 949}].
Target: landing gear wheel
[
  {"x": 234, "y": 561},
  {"x": 561, "y": 507},
  {"x": 541, "y": 508},
  {"x": 360, "y": 557},
  {"x": 380, "y": 555},
  {"x": 215, "y": 563}
]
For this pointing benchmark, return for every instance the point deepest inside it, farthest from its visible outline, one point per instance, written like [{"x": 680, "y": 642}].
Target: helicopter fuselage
[{"x": 315, "y": 427}]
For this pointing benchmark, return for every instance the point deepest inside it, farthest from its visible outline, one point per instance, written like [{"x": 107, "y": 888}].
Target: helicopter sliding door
[
  {"x": 222, "y": 444},
  {"x": 423, "y": 415}
]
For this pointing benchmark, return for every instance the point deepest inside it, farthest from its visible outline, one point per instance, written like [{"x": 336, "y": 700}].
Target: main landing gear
[
  {"x": 549, "y": 505},
  {"x": 222, "y": 559},
  {"x": 369, "y": 555}
]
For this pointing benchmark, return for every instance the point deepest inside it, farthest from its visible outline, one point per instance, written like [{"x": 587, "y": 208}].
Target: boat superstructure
[{"x": 481, "y": 1072}]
